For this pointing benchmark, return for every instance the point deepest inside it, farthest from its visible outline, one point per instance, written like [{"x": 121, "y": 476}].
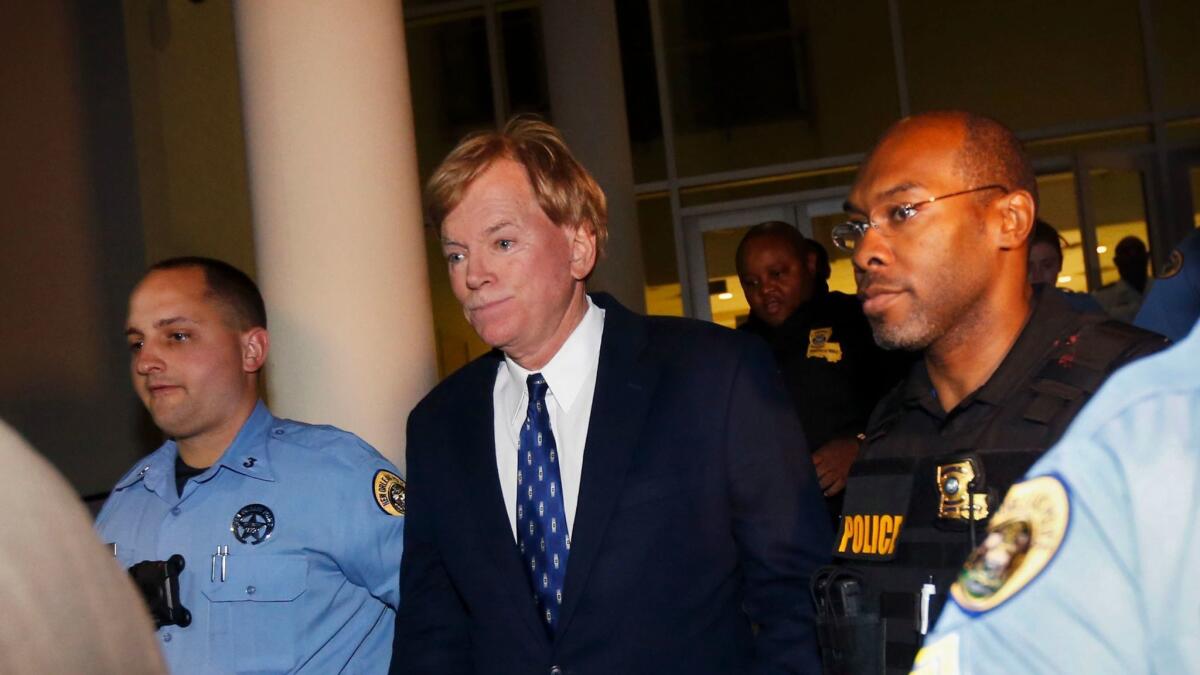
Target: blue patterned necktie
[{"x": 541, "y": 518}]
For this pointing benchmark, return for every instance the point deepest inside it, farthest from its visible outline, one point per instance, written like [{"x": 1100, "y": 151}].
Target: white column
[
  {"x": 337, "y": 218},
  {"x": 587, "y": 100}
]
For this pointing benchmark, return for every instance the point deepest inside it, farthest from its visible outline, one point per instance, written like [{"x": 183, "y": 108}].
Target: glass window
[
  {"x": 1176, "y": 25},
  {"x": 790, "y": 80},
  {"x": 1060, "y": 209},
  {"x": 524, "y": 59},
  {"x": 451, "y": 83},
  {"x": 641, "y": 91},
  {"x": 663, "y": 291},
  {"x": 767, "y": 185},
  {"x": 1120, "y": 211},
  {"x": 726, "y": 298},
  {"x": 1059, "y": 146},
  {"x": 1030, "y": 64},
  {"x": 1185, "y": 131}
]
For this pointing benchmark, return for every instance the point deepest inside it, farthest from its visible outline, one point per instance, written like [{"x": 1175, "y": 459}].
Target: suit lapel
[
  {"x": 624, "y": 389},
  {"x": 482, "y": 490}
]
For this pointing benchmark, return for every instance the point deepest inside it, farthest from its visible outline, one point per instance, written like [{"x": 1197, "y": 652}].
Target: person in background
[
  {"x": 1045, "y": 266},
  {"x": 1122, "y": 298},
  {"x": 1172, "y": 305},
  {"x": 939, "y": 221},
  {"x": 283, "y": 538},
  {"x": 831, "y": 365},
  {"x": 1095, "y": 550}
]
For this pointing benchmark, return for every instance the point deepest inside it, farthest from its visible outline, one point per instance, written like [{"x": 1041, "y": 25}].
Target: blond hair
[{"x": 564, "y": 190}]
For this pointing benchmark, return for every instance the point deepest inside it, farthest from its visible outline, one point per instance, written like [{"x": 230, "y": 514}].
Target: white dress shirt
[{"x": 571, "y": 379}]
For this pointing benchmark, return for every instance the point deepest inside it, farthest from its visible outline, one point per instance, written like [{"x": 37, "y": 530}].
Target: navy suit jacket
[{"x": 699, "y": 514}]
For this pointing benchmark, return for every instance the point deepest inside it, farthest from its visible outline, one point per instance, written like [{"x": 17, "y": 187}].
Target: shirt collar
[
  {"x": 566, "y": 371},
  {"x": 154, "y": 470},
  {"x": 248, "y": 454},
  {"x": 1049, "y": 316}
]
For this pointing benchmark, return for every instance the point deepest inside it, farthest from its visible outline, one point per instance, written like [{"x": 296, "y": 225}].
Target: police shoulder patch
[
  {"x": 1021, "y": 540},
  {"x": 389, "y": 492},
  {"x": 1172, "y": 266}
]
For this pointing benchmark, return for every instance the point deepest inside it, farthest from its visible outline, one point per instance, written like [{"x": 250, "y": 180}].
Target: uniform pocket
[{"x": 255, "y": 624}]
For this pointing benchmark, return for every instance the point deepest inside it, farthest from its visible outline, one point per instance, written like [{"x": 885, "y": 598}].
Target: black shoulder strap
[{"x": 1080, "y": 362}]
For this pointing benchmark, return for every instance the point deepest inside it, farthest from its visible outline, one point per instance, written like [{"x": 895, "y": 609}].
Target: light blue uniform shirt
[
  {"x": 317, "y": 596},
  {"x": 1172, "y": 304},
  {"x": 1122, "y": 593}
]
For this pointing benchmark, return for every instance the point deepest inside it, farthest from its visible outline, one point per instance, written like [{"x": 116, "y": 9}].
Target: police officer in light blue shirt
[
  {"x": 1172, "y": 304},
  {"x": 1090, "y": 564},
  {"x": 290, "y": 534}
]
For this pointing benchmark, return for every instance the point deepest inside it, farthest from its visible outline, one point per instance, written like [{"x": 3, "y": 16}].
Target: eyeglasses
[{"x": 888, "y": 219}]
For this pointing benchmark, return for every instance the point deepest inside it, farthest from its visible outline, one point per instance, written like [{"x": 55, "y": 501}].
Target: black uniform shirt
[
  {"x": 1058, "y": 361},
  {"x": 832, "y": 368},
  {"x": 993, "y": 416},
  {"x": 831, "y": 365}
]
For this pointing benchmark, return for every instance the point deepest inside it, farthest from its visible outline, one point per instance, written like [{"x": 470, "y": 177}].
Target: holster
[
  {"x": 158, "y": 581},
  {"x": 850, "y": 633}
]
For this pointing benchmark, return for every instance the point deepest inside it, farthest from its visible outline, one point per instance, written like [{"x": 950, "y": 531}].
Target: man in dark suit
[{"x": 604, "y": 493}]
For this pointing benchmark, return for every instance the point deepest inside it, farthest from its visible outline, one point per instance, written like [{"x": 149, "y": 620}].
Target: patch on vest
[
  {"x": 1172, "y": 266},
  {"x": 822, "y": 346},
  {"x": 1021, "y": 540},
  {"x": 939, "y": 658},
  {"x": 956, "y": 500},
  {"x": 389, "y": 492},
  {"x": 869, "y": 535}
]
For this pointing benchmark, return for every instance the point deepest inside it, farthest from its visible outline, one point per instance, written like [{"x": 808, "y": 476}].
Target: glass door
[
  {"x": 1115, "y": 192},
  {"x": 1185, "y": 192},
  {"x": 713, "y": 237}
]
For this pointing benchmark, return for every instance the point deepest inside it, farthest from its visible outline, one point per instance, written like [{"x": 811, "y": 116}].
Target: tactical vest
[{"x": 909, "y": 521}]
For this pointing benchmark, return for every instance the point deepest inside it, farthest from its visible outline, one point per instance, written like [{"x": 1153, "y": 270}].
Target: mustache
[{"x": 874, "y": 282}]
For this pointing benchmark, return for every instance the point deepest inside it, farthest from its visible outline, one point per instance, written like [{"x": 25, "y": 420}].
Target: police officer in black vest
[
  {"x": 833, "y": 370},
  {"x": 939, "y": 222}
]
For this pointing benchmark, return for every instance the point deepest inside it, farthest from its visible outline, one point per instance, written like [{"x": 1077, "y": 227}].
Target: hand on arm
[{"x": 832, "y": 462}]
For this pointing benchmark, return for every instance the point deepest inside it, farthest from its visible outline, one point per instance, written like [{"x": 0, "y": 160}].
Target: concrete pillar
[
  {"x": 587, "y": 100},
  {"x": 337, "y": 219}
]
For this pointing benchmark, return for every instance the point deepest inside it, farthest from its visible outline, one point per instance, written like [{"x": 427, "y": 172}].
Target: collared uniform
[
  {"x": 833, "y": 370},
  {"x": 310, "y": 582},
  {"x": 1106, "y": 563},
  {"x": 927, "y": 480},
  {"x": 1172, "y": 304}
]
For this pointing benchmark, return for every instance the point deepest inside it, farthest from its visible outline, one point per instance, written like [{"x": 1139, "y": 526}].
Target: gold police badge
[
  {"x": 953, "y": 481},
  {"x": 822, "y": 346},
  {"x": 1021, "y": 540},
  {"x": 389, "y": 492}
]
